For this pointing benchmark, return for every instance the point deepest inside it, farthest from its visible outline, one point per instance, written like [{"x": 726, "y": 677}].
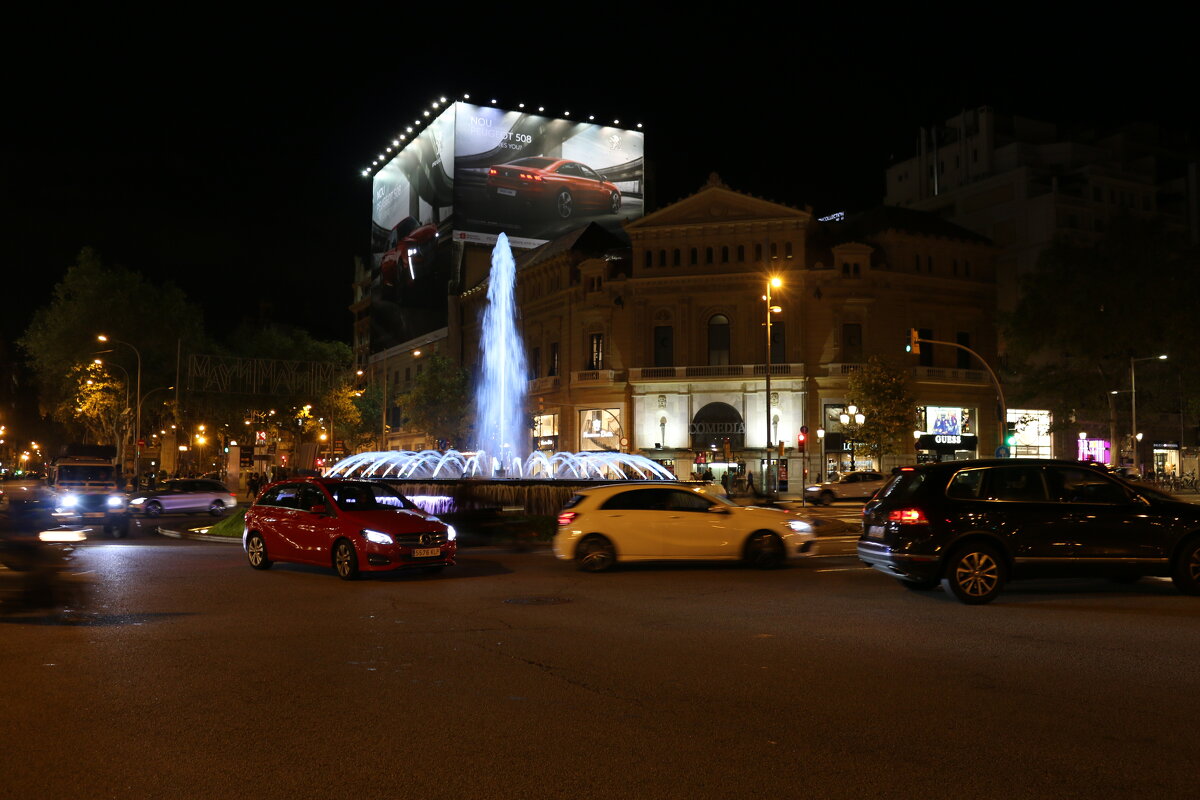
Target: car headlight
[
  {"x": 377, "y": 537},
  {"x": 451, "y": 534},
  {"x": 69, "y": 501},
  {"x": 116, "y": 501},
  {"x": 137, "y": 501},
  {"x": 799, "y": 526}
]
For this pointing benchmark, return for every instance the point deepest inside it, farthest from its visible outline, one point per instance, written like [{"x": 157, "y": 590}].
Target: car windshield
[
  {"x": 80, "y": 472},
  {"x": 367, "y": 497}
]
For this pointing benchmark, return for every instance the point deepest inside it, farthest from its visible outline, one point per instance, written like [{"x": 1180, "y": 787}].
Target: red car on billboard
[
  {"x": 412, "y": 244},
  {"x": 352, "y": 526},
  {"x": 558, "y": 184}
]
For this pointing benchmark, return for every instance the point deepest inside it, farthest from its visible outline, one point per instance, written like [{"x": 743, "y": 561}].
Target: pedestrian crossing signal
[{"x": 914, "y": 344}]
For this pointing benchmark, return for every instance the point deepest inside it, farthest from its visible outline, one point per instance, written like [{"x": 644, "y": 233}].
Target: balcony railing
[
  {"x": 949, "y": 375},
  {"x": 597, "y": 376},
  {"x": 714, "y": 371}
]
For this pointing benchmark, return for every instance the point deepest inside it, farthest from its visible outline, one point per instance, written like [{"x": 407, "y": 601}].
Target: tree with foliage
[
  {"x": 1086, "y": 309},
  {"x": 91, "y": 299},
  {"x": 883, "y": 394},
  {"x": 439, "y": 402},
  {"x": 97, "y": 411}
]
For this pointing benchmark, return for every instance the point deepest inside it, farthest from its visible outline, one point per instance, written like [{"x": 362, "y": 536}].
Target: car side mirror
[
  {"x": 718, "y": 510},
  {"x": 319, "y": 509}
]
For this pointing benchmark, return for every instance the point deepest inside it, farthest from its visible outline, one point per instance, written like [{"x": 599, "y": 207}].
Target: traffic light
[
  {"x": 801, "y": 441},
  {"x": 914, "y": 346},
  {"x": 1010, "y": 434}
]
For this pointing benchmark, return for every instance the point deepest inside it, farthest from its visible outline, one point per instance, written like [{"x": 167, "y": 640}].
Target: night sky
[{"x": 228, "y": 162}]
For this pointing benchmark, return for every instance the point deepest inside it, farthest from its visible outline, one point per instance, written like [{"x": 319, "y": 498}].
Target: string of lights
[{"x": 410, "y": 131}]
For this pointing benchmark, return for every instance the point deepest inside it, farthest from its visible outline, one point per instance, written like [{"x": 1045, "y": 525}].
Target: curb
[{"x": 198, "y": 537}]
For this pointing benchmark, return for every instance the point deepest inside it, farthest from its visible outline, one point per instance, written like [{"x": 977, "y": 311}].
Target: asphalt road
[{"x": 515, "y": 676}]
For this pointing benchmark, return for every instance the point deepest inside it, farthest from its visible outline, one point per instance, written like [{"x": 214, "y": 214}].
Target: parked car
[
  {"x": 184, "y": 496},
  {"x": 858, "y": 485},
  {"x": 971, "y": 526},
  {"x": 671, "y": 521},
  {"x": 560, "y": 185},
  {"x": 350, "y": 525}
]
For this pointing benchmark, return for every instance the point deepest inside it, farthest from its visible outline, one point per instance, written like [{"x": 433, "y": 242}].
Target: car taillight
[
  {"x": 493, "y": 171},
  {"x": 907, "y": 516},
  {"x": 565, "y": 517},
  {"x": 529, "y": 176}
]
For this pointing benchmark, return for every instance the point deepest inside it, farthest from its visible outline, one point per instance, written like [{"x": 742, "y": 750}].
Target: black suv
[{"x": 973, "y": 525}]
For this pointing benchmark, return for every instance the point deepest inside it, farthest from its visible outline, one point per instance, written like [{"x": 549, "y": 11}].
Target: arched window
[
  {"x": 708, "y": 255},
  {"x": 695, "y": 256},
  {"x": 662, "y": 258},
  {"x": 675, "y": 260},
  {"x": 724, "y": 254},
  {"x": 718, "y": 339},
  {"x": 741, "y": 253},
  {"x": 649, "y": 259}
]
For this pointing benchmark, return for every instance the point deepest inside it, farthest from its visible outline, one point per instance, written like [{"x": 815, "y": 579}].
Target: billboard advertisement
[
  {"x": 536, "y": 178},
  {"x": 472, "y": 173},
  {"x": 412, "y": 202}
]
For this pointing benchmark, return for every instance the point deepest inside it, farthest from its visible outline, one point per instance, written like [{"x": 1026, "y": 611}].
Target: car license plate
[
  {"x": 426, "y": 552},
  {"x": 507, "y": 192},
  {"x": 875, "y": 531}
]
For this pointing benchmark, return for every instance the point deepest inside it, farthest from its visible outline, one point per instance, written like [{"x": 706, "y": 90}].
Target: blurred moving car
[
  {"x": 971, "y": 526},
  {"x": 858, "y": 485},
  {"x": 352, "y": 526},
  {"x": 558, "y": 184},
  {"x": 20, "y": 488},
  {"x": 184, "y": 496},
  {"x": 671, "y": 521}
]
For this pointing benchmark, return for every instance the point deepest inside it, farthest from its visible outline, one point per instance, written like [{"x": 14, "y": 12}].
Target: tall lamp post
[
  {"x": 852, "y": 414},
  {"x": 1133, "y": 435},
  {"x": 137, "y": 425},
  {"x": 772, "y": 283}
]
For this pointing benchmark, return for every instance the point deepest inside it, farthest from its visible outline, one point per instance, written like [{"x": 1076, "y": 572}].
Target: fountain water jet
[{"x": 502, "y": 434}]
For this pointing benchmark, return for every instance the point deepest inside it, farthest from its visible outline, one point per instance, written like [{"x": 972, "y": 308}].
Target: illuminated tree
[
  {"x": 439, "y": 403},
  {"x": 883, "y": 394},
  {"x": 97, "y": 411}
]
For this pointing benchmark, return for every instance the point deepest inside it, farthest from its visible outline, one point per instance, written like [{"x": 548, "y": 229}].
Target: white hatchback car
[
  {"x": 657, "y": 521},
  {"x": 860, "y": 485}
]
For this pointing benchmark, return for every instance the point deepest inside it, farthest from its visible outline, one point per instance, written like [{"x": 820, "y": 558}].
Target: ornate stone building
[{"x": 658, "y": 345}]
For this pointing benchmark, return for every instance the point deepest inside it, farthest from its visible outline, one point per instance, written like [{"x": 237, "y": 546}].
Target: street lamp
[
  {"x": 1134, "y": 437},
  {"x": 852, "y": 414},
  {"x": 137, "y": 425},
  {"x": 821, "y": 438},
  {"x": 772, "y": 283}
]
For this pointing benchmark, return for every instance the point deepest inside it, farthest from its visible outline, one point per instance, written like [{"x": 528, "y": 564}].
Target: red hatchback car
[
  {"x": 349, "y": 525},
  {"x": 559, "y": 184}
]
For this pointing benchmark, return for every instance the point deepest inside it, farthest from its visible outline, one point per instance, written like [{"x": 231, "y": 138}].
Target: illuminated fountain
[{"x": 503, "y": 435}]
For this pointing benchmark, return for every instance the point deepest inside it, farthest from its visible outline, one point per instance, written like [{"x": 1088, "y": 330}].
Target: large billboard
[
  {"x": 474, "y": 172},
  {"x": 536, "y": 178},
  {"x": 412, "y": 202}
]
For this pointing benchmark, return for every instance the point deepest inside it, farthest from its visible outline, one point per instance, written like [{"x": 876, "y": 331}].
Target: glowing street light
[
  {"x": 137, "y": 425},
  {"x": 1136, "y": 437},
  {"x": 772, "y": 283}
]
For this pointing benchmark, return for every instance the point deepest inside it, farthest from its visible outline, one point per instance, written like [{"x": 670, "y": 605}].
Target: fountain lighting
[{"x": 502, "y": 447}]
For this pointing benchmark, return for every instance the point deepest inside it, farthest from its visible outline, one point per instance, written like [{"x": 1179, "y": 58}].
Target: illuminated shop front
[
  {"x": 1098, "y": 450},
  {"x": 1029, "y": 433},
  {"x": 946, "y": 433},
  {"x": 545, "y": 432},
  {"x": 1166, "y": 458},
  {"x": 600, "y": 429}
]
